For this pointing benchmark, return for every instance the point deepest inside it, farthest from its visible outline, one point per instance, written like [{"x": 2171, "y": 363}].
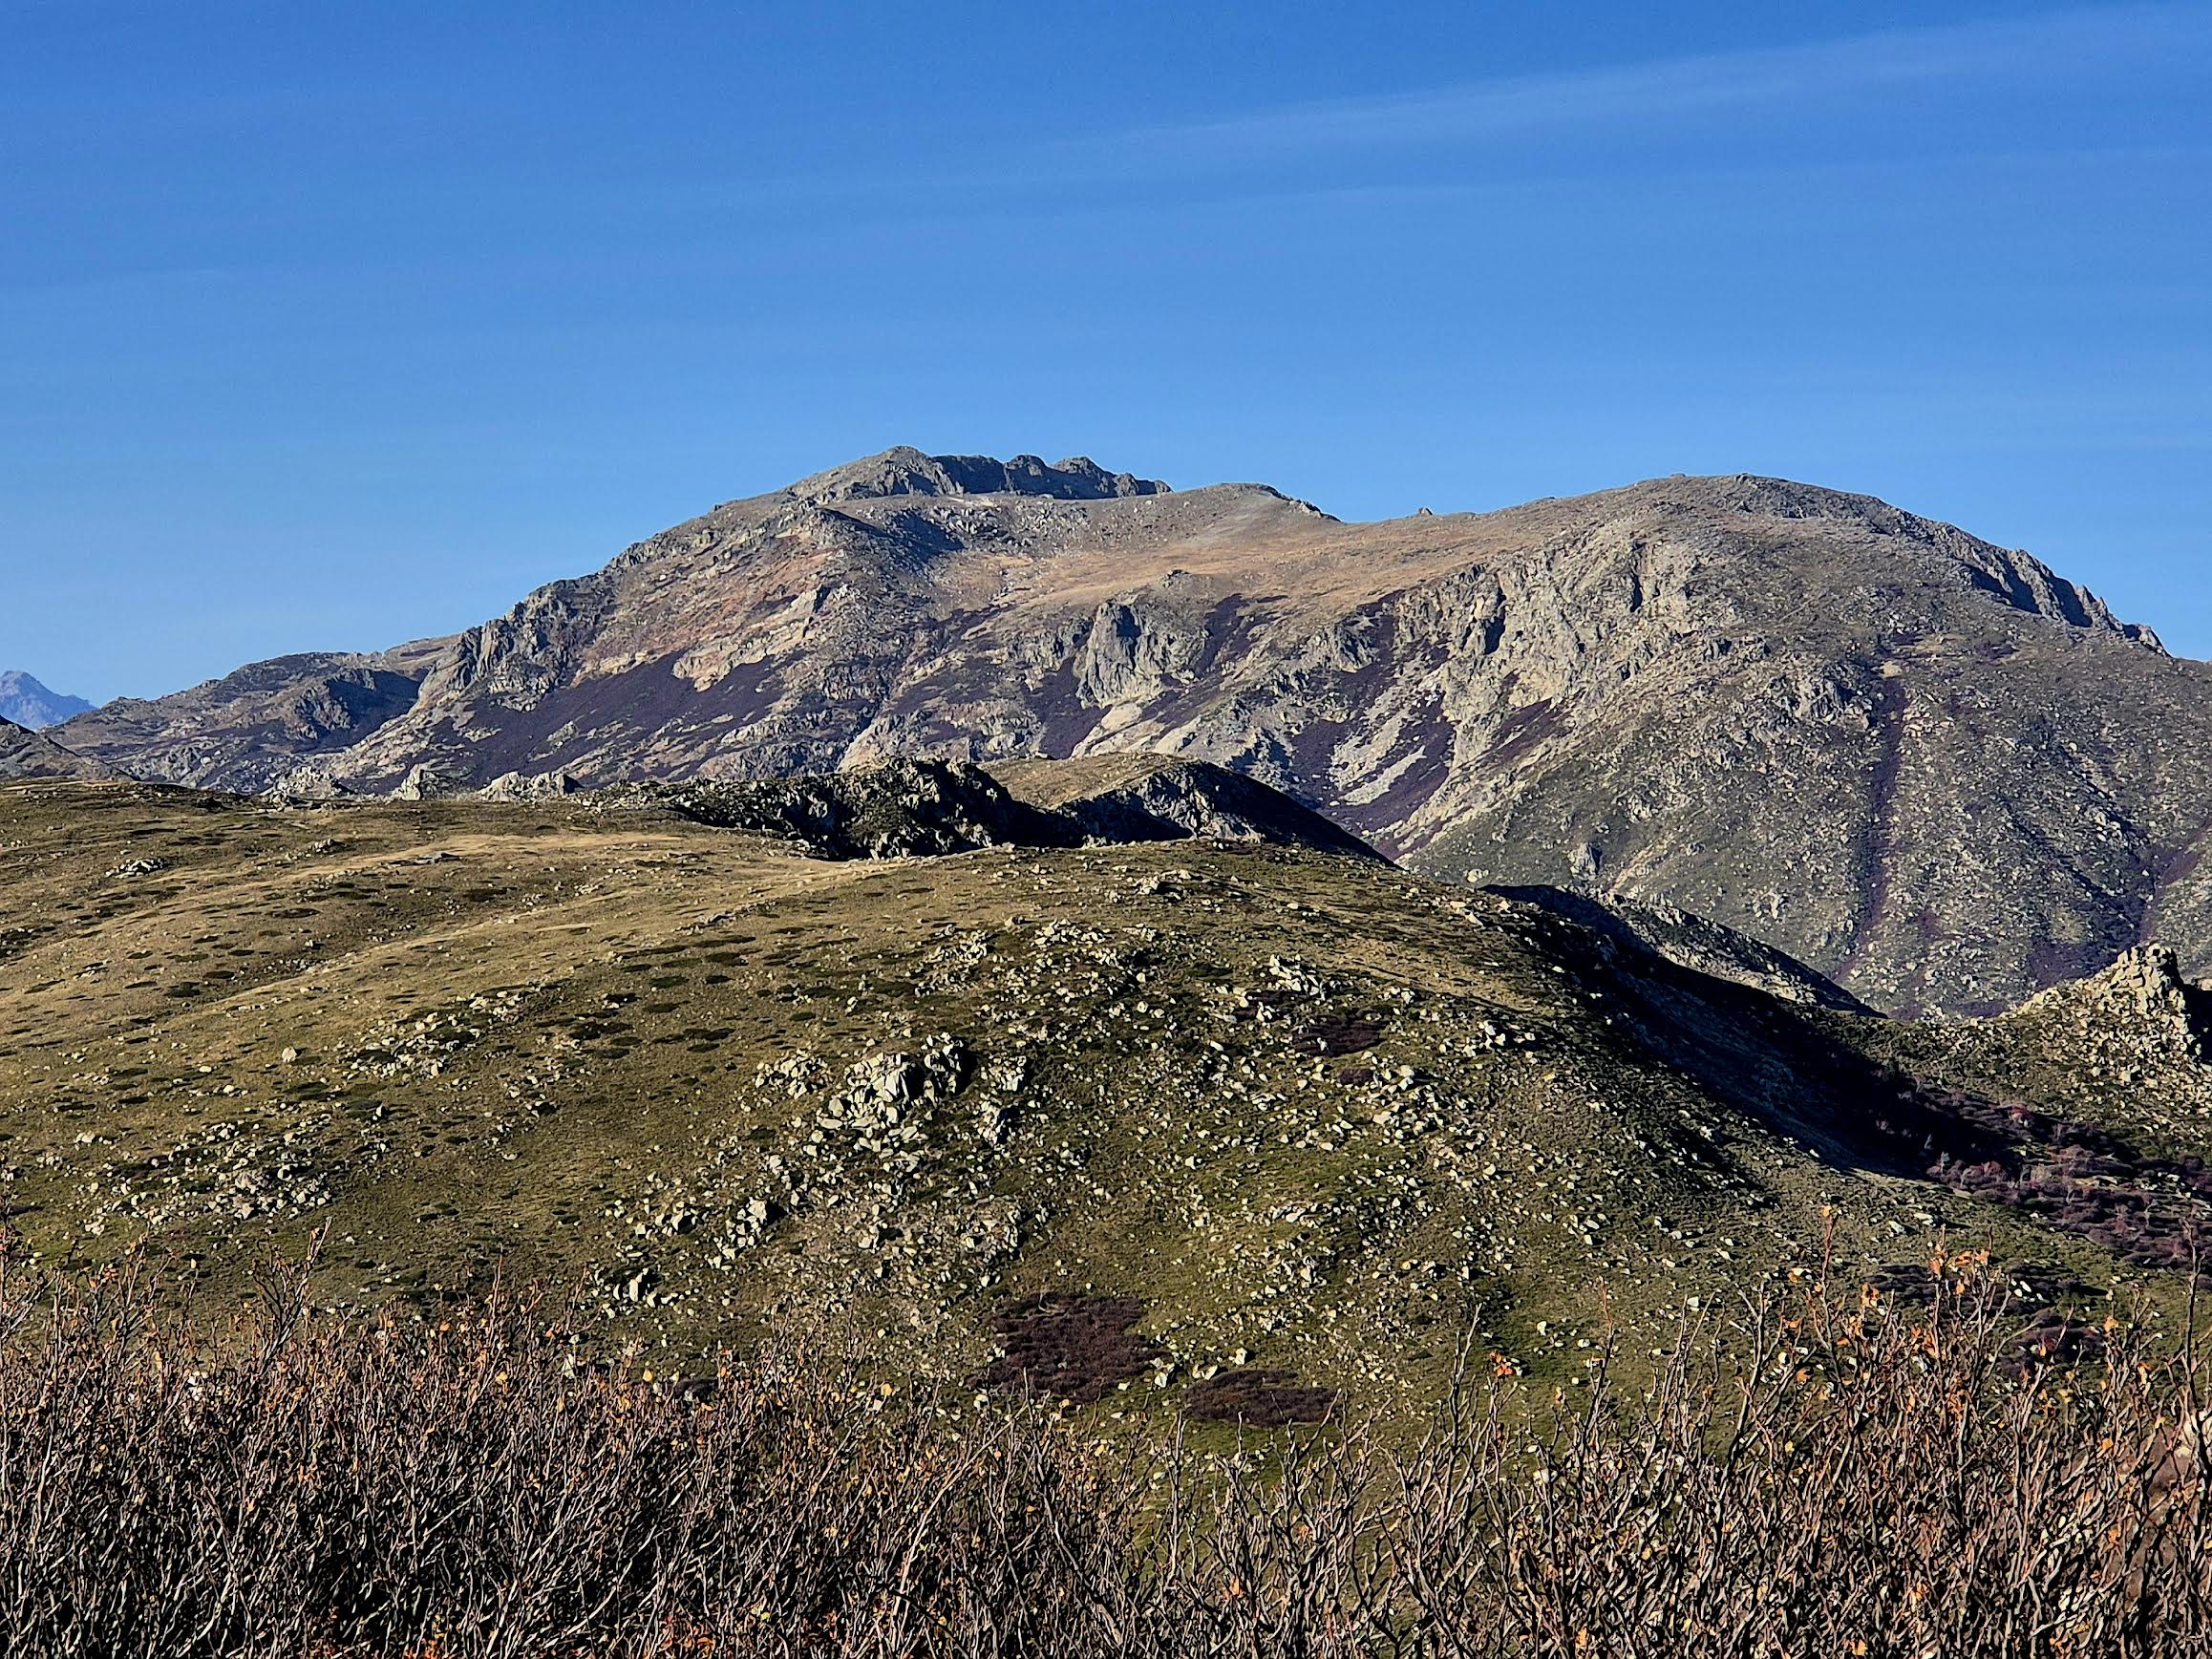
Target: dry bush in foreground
[{"x": 1833, "y": 1478}]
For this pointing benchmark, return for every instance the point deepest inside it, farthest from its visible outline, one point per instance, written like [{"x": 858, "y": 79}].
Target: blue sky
[{"x": 330, "y": 326}]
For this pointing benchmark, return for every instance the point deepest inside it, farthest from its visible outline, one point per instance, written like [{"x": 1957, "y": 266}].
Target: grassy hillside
[{"x": 1167, "y": 1119}]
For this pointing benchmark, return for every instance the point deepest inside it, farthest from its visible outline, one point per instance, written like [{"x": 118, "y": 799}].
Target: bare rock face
[
  {"x": 426, "y": 781},
  {"x": 1923, "y": 765},
  {"x": 528, "y": 786}
]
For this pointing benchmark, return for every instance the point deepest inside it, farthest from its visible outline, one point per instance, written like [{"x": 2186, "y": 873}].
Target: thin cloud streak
[
  {"x": 2159, "y": 39},
  {"x": 2059, "y": 46}
]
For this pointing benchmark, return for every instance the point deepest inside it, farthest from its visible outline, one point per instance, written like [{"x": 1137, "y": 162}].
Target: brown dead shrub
[{"x": 1836, "y": 1473}]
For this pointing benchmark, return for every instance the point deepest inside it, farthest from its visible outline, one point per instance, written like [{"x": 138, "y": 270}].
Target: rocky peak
[
  {"x": 908, "y": 472},
  {"x": 2140, "y": 1010}
]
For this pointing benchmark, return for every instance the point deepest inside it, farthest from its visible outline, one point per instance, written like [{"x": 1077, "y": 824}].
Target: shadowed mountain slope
[
  {"x": 1924, "y": 765},
  {"x": 27, "y": 754}
]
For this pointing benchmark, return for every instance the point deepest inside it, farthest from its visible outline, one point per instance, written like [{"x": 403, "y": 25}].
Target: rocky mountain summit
[
  {"x": 1927, "y": 767},
  {"x": 25, "y": 702},
  {"x": 908, "y": 472}
]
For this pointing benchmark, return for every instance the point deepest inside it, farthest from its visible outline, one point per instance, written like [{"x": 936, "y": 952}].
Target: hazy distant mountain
[
  {"x": 1923, "y": 764},
  {"x": 26, "y": 703}
]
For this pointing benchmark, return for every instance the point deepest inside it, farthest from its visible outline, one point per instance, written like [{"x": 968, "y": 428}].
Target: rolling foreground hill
[
  {"x": 1925, "y": 765},
  {"x": 1143, "y": 1119}
]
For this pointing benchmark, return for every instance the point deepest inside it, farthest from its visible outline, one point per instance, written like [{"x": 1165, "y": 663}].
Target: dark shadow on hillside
[{"x": 1794, "y": 1067}]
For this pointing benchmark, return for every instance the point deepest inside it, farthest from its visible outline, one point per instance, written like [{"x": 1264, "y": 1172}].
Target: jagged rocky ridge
[
  {"x": 1927, "y": 766},
  {"x": 924, "y": 808}
]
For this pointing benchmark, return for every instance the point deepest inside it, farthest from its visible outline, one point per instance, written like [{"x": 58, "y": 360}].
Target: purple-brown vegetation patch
[
  {"x": 1071, "y": 1348},
  {"x": 2045, "y": 1301},
  {"x": 1338, "y": 1032},
  {"x": 2057, "y": 1337},
  {"x": 1258, "y": 1399},
  {"x": 2152, "y": 1212}
]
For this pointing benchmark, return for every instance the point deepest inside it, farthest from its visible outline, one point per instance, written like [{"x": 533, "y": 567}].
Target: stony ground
[{"x": 1175, "y": 1121}]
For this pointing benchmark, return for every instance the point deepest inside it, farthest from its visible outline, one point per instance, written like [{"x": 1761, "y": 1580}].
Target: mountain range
[{"x": 1925, "y": 765}]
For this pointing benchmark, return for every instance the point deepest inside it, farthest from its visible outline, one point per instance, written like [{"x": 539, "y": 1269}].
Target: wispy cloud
[{"x": 2059, "y": 46}]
